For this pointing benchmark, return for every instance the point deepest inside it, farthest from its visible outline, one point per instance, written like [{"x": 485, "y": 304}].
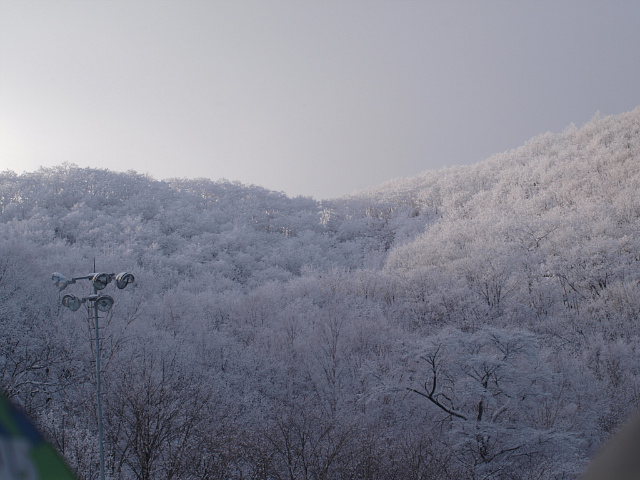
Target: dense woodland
[{"x": 475, "y": 322}]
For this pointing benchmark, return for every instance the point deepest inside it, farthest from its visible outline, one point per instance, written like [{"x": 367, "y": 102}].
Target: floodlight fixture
[
  {"x": 104, "y": 303},
  {"x": 72, "y": 302},
  {"x": 123, "y": 279},
  {"x": 101, "y": 280},
  {"x": 61, "y": 281}
]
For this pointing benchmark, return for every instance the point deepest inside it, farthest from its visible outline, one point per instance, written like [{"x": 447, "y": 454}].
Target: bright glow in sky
[{"x": 316, "y": 98}]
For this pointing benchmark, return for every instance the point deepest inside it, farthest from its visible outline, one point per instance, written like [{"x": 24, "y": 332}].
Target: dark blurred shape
[
  {"x": 24, "y": 455},
  {"x": 620, "y": 457}
]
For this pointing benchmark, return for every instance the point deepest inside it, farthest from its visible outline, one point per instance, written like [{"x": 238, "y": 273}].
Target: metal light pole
[
  {"x": 98, "y": 392},
  {"x": 96, "y": 302}
]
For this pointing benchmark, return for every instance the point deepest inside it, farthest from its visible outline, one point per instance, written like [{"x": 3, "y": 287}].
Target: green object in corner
[{"x": 24, "y": 454}]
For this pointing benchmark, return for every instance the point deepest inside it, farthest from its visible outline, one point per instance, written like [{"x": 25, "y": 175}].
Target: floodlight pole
[
  {"x": 98, "y": 392},
  {"x": 96, "y": 302}
]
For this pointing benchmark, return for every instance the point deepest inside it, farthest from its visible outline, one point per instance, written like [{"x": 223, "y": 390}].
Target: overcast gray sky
[{"x": 316, "y": 98}]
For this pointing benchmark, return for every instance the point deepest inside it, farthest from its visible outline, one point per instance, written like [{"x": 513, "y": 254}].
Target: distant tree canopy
[{"x": 471, "y": 322}]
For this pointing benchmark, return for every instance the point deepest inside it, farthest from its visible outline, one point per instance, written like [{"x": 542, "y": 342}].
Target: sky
[{"x": 314, "y": 98}]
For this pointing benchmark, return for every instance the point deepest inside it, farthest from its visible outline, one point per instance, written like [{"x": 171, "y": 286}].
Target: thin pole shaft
[{"x": 98, "y": 393}]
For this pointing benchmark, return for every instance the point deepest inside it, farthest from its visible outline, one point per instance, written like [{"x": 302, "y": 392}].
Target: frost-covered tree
[{"x": 488, "y": 388}]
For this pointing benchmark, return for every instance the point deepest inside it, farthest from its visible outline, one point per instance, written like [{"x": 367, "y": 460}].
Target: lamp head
[
  {"x": 123, "y": 279},
  {"x": 72, "y": 302},
  {"x": 61, "y": 281},
  {"x": 101, "y": 280},
  {"x": 104, "y": 303}
]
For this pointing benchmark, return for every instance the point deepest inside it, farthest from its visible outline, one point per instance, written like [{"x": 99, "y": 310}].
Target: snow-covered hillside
[{"x": 471, "y": 322}]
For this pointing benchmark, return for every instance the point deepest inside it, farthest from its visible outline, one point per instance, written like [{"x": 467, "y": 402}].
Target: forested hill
[{"x": 471, "y": 322}]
